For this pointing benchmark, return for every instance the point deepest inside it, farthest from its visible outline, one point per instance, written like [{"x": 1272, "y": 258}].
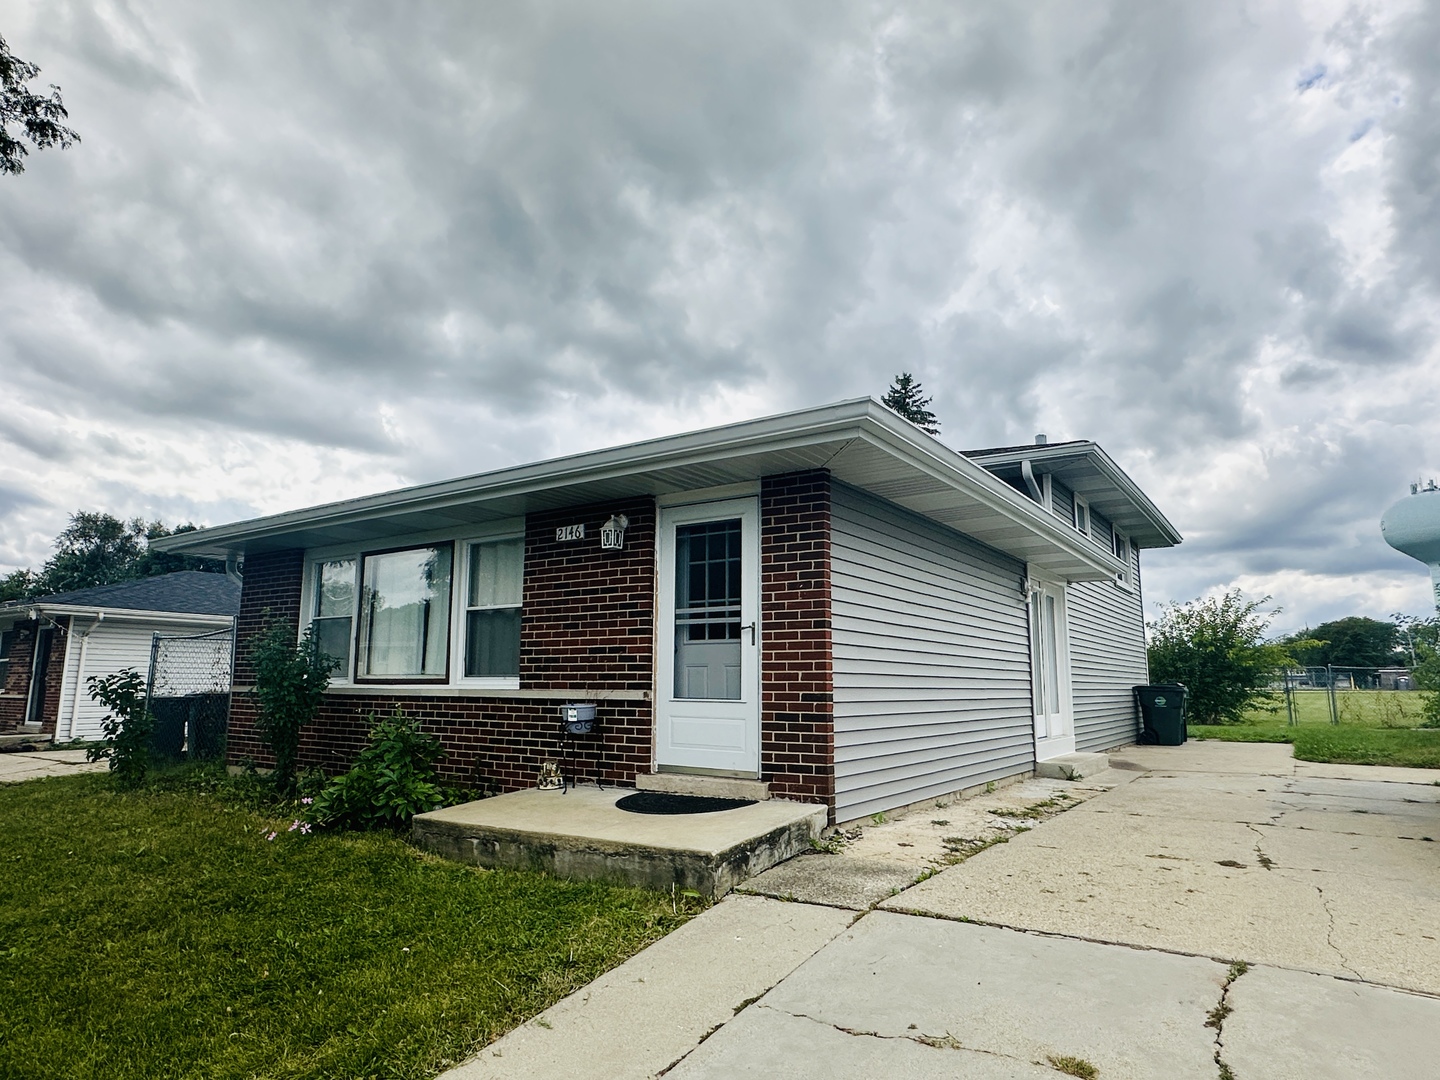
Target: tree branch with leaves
[{"x": 39, "y": 117}]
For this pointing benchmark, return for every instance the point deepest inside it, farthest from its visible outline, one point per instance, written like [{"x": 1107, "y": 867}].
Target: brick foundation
[{"x": 797, "y": 721}]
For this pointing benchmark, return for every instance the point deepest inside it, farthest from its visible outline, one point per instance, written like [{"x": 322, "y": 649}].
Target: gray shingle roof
[{"x": 190, "y": 592}]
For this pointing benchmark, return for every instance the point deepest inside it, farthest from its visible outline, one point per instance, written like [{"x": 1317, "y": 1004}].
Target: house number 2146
[{"x": 569, "y": 532}]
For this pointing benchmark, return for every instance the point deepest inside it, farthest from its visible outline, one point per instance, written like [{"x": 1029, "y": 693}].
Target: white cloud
[{"x": 309, "y": 253}]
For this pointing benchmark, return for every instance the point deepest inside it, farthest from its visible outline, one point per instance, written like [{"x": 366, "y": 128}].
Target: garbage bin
[{"x": 1162, "y": 714}]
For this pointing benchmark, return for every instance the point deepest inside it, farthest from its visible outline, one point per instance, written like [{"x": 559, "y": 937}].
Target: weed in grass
[
  {"x": 939, "y": 1042},
  {"x": 990, "y": 788},
  {"x": 878, "y": 819},
  {"x": 1073, "y": 1066},
  {"x": 940, "y": 821}
]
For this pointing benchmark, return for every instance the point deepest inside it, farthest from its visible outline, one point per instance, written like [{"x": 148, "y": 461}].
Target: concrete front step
[
  {"x": 715, "y": 787},
  {"x": 581, "y": 834},
  {"x": 1073, "y": 766},
  {"x": 26, "y": 738}
]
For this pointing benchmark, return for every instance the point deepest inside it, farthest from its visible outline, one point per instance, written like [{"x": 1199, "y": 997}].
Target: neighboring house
[
  {"x": 51, "y": 645},
  {"x": 829, "y": 600}
]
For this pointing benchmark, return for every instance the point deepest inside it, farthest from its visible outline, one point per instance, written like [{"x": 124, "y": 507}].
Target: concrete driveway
[
  {"x": 35, "y": 764},
  {"x": 1228, "y": 912}
]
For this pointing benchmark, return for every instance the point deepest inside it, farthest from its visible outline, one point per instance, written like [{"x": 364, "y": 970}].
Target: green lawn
[
  {"x": 160, "y": 934},
  {"x": 1376, "y": 728}
]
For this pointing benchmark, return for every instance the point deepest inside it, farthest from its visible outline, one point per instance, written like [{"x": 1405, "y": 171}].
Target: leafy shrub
[
  {"x": 290, "y": 682},
  {"x": 391, "y": 781},
  {"x": 127, "y": 729},
  {"x": 1216, "y": 648}
]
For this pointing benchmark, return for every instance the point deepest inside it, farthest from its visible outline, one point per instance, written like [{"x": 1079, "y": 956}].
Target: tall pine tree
[{"x": 907, "y": 398}]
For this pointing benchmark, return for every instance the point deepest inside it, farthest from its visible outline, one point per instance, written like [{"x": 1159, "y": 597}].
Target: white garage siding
[
  {"x": 114, "y": 644},
  {"x": 1107, "y": 659},
  {"x": 931, "y": 659}
]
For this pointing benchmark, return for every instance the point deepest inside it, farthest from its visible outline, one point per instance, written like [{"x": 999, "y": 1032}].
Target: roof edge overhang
[
  {"x": 827, "y": 432},
  {"x": 1094, "y": 455},
  {"x": 29, "y": 611}
]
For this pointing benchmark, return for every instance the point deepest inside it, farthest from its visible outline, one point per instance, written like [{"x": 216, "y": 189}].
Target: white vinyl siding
[
  {"x": 931, "y": 659},
  {"x": 1107, "y": 659},
  {"x": 113, "y": 645}
]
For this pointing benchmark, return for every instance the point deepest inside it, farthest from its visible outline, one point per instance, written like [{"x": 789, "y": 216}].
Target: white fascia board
[
  {"x": 1103, "y": 462},
  {"x": 220, "y": 622},
  {"x": 948, "y": 466},
  {"x": 838, "y": 424},
  {"x": 785, "y": 431}
]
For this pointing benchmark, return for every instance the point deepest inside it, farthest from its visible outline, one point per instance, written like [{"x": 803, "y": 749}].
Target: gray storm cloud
[{"x": 307, "y": 253}]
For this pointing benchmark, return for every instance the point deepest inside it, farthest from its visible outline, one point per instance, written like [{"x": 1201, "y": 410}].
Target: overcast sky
[{"x": 305, "y": 253}]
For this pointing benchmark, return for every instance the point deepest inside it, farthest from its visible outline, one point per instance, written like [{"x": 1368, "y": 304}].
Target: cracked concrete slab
[
  {"x": 857, "y": 884},
  {"x": 1016, "y": 998},
  {"x": 765, "y": 1042},
  {"x": 1288, "y": 1025},
  {"x": 1179, "y": 861},
  {"x": 639, "y": 1018}
]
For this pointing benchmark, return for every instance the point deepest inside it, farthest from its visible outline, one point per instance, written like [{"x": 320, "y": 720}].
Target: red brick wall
[
  {"x": 589, "y": 614},
  {"x": 55, "y": 676},
  {"x": 797, "y": 722},
  {"x": 17, "y": 679},
  {"x": 587, "y": 623}
]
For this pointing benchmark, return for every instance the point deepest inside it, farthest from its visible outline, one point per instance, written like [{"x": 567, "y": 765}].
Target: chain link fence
[
  {"x": 1375, "y": 696},
  {"x": 189, "y": 694}
]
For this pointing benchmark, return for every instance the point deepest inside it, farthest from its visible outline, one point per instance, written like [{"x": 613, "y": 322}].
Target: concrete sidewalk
[
  {"x": 15, "y": 767},
  {"x": 1116, "y": 928}
]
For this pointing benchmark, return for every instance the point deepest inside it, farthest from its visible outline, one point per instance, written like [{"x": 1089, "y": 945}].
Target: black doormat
[{"x": 662, "y": 802}]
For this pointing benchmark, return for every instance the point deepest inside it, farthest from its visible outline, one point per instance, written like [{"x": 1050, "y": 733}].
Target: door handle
[{"x": 751, "y": 628}]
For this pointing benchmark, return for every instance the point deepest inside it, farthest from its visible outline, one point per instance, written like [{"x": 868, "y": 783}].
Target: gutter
[{"x": 37, "y": 611}]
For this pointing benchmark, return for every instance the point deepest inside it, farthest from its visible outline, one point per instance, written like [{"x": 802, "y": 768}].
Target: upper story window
[
  {"x": 494, "y": 587},
  {"x": 1122, "y": 549},
  {"x": 1081, "y": 515},
  {"x": 405, "y": 614}
]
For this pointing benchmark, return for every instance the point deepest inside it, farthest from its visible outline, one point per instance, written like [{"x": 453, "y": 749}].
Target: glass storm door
[
  {"x": 1049, "y": 668},
  {"x": 708, "y": 682}
]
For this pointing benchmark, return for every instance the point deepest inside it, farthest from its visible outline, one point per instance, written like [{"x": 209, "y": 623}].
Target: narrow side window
[
  {"x": 333, "y": 616},
  {"x": 495, "y": 574}
]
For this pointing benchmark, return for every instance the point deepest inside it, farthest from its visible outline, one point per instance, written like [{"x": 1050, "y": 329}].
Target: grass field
[
  {"x": 161, "y": 934},
  {"x": 1376, "y": 727}
]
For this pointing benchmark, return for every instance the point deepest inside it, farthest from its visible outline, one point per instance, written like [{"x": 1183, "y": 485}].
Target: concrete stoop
[
  {"x": 1073, "y": 766},
  {"x": 25, "y": 738},
  {"x": 581, "y": 834},
  {"x": 714, "y": 787}
]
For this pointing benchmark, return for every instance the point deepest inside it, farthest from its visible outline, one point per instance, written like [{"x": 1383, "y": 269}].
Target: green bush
[
  {"x": 391, "y": 781},
  {"x": 127, "y": 729},
  {"x": 1216, "y": 647},
  {"x": 290, "y": 682}
]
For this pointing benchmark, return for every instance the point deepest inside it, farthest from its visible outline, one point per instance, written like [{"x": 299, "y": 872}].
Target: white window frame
[
  {"x": 1080, "y": 514},
  {"x": 1122, "y": 548},
  {"x": 459, "y": 591},
  {"x": 460, "y": 607}
]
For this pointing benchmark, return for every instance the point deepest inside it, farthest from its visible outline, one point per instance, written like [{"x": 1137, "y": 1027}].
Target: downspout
[
  {"x": 233, "y": 565},
  {"x": 1030, "y": 482},
  {"x": 80, "y": 673}
]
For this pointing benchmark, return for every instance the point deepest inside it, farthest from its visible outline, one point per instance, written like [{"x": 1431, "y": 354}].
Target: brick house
[
  {"x": 51, "y": 645},
  {"x": 828, "y": 600}
]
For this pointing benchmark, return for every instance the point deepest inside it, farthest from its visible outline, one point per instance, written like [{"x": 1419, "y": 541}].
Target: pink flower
[{"x": 272, "y": 836}]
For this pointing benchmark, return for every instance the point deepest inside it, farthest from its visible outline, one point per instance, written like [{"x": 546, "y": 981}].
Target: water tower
[{"x": 1412, "y": 525}]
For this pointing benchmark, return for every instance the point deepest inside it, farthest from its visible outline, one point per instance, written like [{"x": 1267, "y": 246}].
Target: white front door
[
  {"x": 708, "y": 669},
  {"x": 1050, "y": 671}
]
